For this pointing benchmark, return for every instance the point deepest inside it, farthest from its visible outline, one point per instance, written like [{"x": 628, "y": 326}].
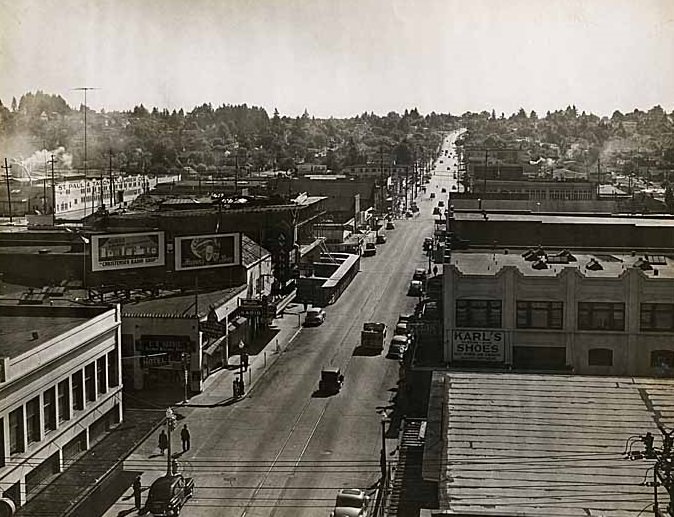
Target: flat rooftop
[
  {"x": 533, "y": 445},
  {"x": 600, "y": 264},
  {"x": 172, "y": 305},
  {"x": 47, "y": 320},
  {"x": 557, "y": 218}
]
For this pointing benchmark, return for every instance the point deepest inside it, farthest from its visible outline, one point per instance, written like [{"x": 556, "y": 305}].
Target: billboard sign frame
[
  {"x": 126, "y": 242},
  {"x": 205, "y": 251}
]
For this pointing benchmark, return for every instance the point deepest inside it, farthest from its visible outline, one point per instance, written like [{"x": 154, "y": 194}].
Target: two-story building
[
  {"x": 599, "y": 313},
  {"x": 60, "y": 388}
]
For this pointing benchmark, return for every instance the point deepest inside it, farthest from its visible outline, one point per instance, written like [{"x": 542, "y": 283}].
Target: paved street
[{"x": 282, "y": 450}]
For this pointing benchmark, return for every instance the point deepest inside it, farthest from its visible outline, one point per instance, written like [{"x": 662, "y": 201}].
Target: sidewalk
[{"x": 97, "y": 484}]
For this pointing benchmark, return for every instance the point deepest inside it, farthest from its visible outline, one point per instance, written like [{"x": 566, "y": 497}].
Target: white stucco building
[{"x": 60, "y": 389}]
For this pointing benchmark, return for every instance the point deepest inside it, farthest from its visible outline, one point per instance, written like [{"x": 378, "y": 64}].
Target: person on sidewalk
[
  {"x": 137, "y": 487},
  {"x": 185, "y": 437},
  {"x": 163, "y": 441}
]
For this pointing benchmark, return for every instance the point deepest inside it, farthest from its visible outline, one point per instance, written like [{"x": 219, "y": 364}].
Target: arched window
[{"x": 600, "y": 357}]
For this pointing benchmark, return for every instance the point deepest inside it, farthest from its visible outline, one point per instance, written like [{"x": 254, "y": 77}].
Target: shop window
[
  {"x": 478, "y": 313},
  {"x": 78, "y": 391},
  {"x": 64, "y": 400},
  {"x": 657, "y": 317},
  {"x": 49, "y": 410},
  {"x": 101, "y": 372},
  {"x": 113, "y": 371},
  {"x": 662, "y": 358},
  {"x": 89, "y": 385},
  {"x": 600, "y": 357},
  {"x": 601, "y": 316},
  {"x": 33, "y": 420},
  {"x": 539, "y": 315},
  {"x": 16, "y": 431}
]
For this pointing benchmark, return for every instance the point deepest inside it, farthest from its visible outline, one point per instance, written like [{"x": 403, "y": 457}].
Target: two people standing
[{"x": 184, "y": 437}]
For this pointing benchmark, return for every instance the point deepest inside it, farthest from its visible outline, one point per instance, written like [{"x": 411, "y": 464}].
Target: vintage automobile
[
  {"x": 416, "y": 288},
  {"x": 381, "y": 239},
  {"x": 370, "y": 249},
  {"x": 315, "y": 316},
  {"x": 390, "y": 225},
  {"x": 441, "y": 204},
  {"x": 331, "y": 380},
  {"x": 444, "y": 190},
  {"x": 398, "y": 347},
  {"x": 351, "y": 502},
  {"x": 168, "y": 494},
  {"x": 432, "y": 195},
  {"x": 419, "y": 274},
  {"x": 436, "y": 211}
]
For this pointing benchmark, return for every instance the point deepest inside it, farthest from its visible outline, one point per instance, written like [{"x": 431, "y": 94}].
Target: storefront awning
[{"x": 210, "y": 349}]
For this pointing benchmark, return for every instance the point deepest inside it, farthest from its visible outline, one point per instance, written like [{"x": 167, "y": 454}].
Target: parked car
[
  {"x": 416, "y": 288},
  {"x": 441, "y": 203},
  {"x": 401, "y": 329},
  {"x": 315, "y": 316},
  {"x": 444, "y": 190},
  {"x": 405, "y": 317},
  {"x": 428, "y": 243},
  {"x": 432, "y": 195},
  {"x": 409, "y": 213},
  {"x": 390, "y": 225},
  {"x": 419, "y": 274},
  {"x": 331, "y": 380},
  {"x": 398, "y": 347},
  {"x": 436, "y": 211},
  {"x": 381, "y": 239},
  {"x": 370, "y": 249},
  {"x": 351, "y": 502},
  {"x": 168, "y": 494}
]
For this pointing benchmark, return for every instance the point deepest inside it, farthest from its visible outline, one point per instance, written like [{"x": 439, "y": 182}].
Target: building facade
[
  {"x": 60, "y": 390},
  {"x": 603, "y": 313}
]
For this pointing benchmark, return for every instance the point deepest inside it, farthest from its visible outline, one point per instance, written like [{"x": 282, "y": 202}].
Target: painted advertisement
[
  {"x": 207, "y": 251},
  {"x": 484, "y": 345},
  {"x": 127, "y": 251}
]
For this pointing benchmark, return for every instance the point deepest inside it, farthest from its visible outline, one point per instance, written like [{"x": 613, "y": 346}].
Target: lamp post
[
  {"x": 170, "y": 425},
  {"x": 85, "y": 241}
]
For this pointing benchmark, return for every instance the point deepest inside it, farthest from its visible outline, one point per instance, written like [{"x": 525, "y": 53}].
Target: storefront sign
[
  {"x": 484, "y": 345},
  {"x": 212, "y": 328},
  {"x": 151, "y": 344},
  {"x": 127, "y": 251},
  {"x": 207, "y": 251}
]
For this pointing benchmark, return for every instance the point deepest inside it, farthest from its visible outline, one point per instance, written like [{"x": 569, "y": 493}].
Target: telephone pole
[
  {"x": 9, "y": 190},
  {"x": 53, "y": 194},
  {"x": 85, "y": 89}
]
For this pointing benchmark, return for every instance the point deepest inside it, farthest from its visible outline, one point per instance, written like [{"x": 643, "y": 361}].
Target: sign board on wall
[
  {"x": 127, "y": 250},
  {"x": 207, "y": 251},
  {"x": 484, "y": 345}
]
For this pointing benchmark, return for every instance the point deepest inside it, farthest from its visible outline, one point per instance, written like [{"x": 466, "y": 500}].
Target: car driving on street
[
  {"x": 168, "y": 494},
  {"x": 315, "y": 316},
  {"x": 351, "y": 502}
]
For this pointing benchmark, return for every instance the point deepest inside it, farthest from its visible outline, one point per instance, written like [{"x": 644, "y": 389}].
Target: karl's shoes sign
[{"x": 485, "y": 345}]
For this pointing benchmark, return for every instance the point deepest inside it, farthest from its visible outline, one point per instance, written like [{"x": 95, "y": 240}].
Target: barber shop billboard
[
  {"x": 207, "y": 251},
  {"x": 127, "y": 251}
]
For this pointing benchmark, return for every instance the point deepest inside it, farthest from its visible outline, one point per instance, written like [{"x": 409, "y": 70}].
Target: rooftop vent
[
  {"x": 643, "y": 264},
  {"x": 594, "y": 265},
  {"x": 540, "y": 264}
]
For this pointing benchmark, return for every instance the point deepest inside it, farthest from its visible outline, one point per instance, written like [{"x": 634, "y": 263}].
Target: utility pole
[
  {"x": 53, "y": 194},
  {"x": 112, "y": 196},
  {"x": 407, "y": 170},
  {"x": 9, "y": 190},
  {"x": 236, "y": 174},
  {"x": 381, "y": 179},
  {"x": 85, "y": 89},
  {"x": 598, "y": 177}
]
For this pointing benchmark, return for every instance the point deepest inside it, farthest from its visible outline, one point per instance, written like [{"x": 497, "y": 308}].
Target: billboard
[
  {"x": 207, "y": 251},
  {"x": 127, "y": 250},
  {"x": 485, "y": 345}
]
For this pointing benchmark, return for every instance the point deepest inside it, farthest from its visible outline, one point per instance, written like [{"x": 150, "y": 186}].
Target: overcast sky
[{"x": 342, "y": 57}]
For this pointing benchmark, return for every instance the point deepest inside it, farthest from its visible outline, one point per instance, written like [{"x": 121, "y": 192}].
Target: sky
[{"x": 343, "y": 57}]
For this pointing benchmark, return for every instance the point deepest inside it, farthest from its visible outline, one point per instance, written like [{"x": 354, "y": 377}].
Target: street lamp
[{"x": 171, "y": 425}]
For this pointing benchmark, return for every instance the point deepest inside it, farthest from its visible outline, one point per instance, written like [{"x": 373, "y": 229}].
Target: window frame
[
  {"x": 597, "y": 355},
  {"x": 526, "y": 308},
  {"x": 593, "y": 309},
  {"x": 466, "y": 309},
  {"x": 652, "y": 309}
]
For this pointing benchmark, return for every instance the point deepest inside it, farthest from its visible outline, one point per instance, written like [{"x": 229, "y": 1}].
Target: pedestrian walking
[
  {"x": 137, "y": 486},
  {"x": 185, "y": 437},
  {"x": 235, "y": 388},
  {"x": 163, "y": 441}
]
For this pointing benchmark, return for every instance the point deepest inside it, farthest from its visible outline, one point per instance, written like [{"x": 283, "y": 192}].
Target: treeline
[{"x": 215, "y": 139}]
